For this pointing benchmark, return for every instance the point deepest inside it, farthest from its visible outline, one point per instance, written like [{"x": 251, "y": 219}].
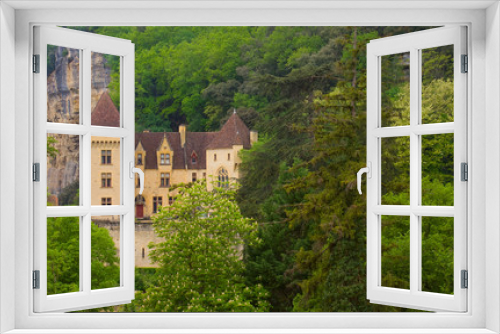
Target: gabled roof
[
  {"x": 105, "y": 112},
  {"x": 234, "y": 132}
]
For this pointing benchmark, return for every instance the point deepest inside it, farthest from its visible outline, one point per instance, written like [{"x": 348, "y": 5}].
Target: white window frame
[
  {"x": 414, "y": 43},
  {"x": 484, "y": 212},
  {"x": 124, "y": 206}
]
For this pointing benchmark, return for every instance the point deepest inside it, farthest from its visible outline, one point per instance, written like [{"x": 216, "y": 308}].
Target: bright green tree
[
  {"x": 200, "y": 259},
  {"x": 63, "y": 256}
]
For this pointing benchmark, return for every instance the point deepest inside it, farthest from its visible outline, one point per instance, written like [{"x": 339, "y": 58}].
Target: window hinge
[
  {"x": 465, "y": 279},
  {"x": 464, "y": 171},
  {"x": 36, "y": 172},
  {"x": 465, "y": 63},
  {"x": 36, "y": 63},
  {"x": 36, "y": 279}
]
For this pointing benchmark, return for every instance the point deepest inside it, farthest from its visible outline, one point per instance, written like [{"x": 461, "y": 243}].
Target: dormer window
[
  {"x": 165, "y": 159},
  {"x": 139, "y": 159},
  {"x": 194, "y": 158}
]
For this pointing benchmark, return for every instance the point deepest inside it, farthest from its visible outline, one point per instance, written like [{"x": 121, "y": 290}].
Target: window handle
[
  {"x": 368, "y": 171},
  {"x": 139, "y": 171}
]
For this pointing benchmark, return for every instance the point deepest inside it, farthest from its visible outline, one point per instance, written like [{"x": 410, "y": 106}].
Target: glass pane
[
  {"x": 105, "y": 90},
  {"x": 105, "y": 171},
  {"x": 105, "y": 236},
  {"x": 63, "y": 255},
  {"x": 437, "y": 169},
  {"x": 437, "y": 254},
  {"x": 396, "y": 252},
  {"x": 63, "y": 170},
  {"x": 437, "y": 85},
  {"x": 63, "y": 85},
  {"x": 395, "y": 90},
  {"x": 396, "y": 170}
]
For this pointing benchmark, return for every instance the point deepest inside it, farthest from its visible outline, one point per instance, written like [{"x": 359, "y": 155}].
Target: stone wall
[{"x": 144, "y": 235}]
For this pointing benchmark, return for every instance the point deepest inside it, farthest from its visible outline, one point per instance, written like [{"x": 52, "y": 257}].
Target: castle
[{"x": 166, "y": 158}]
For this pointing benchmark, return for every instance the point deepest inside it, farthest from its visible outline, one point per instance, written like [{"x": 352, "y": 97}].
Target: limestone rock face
[{"x": 63, "y": 106}]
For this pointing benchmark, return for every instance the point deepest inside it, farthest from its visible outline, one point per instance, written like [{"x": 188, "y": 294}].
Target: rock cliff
[{"x": 63, "y": 106}]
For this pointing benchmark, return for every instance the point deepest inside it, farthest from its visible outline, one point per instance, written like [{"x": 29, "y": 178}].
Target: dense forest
[{"x": 304, "y": 90}]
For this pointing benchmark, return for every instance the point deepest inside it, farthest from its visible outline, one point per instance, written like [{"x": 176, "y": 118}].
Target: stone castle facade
[{"x": 166, "y": 158}]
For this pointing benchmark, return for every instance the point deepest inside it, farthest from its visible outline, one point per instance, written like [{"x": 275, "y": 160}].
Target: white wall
[
  {"x": 7, "y": 159},
  {"x": 492, "y": 165}
]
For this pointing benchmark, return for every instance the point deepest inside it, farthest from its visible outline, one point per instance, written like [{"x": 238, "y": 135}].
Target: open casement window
[
  {"x": 84, "y": 104},
  {"x": 416, "y": 144}
]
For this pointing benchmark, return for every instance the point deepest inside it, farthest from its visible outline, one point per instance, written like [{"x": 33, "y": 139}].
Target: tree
[
  {"x": 271, "y": 262},
  {"x": 200, "y": 259},
  {"x": 63, "y": 256}
]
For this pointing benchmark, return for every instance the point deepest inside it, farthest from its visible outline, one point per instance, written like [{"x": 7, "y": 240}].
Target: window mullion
[
  {"x": 86, "y": 242},
  {"x": 414, "y": 172}
]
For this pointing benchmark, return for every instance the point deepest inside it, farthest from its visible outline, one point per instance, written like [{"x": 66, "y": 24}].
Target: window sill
[{"x": 252, "y": 331}]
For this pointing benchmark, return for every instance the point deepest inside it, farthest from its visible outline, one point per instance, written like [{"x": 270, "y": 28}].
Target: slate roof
[
  {"x": 105, "y": 112},
  {"x": 234, "y": 132}
]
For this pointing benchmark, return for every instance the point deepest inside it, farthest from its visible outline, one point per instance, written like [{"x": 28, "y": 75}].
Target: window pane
[
  {"x": 437, "y": 84},
  {"x": 63, "y": 170},
  {"x": 437, "y": 169},
  {"x": 396, "y": 170},
  {"x": 437, "y": 254},
  {"x": 395, "y": 89},
  {"x": 63, "y": 85},
  {"x": 396, "y": 251},
  {"x": 63, "y": 255},
  {"x": 105, "y": 90},
  {"x": 105, "y": 177},
  {"x": 105, "y": 235}
]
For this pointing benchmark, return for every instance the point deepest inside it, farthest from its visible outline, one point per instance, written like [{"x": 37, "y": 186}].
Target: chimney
[
  {"x": 254, "y": 136},
  {"x": 182, "y": 131}
]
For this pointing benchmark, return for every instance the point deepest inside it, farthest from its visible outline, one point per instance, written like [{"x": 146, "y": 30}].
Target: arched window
[
  {"x": 194, "y": 158},
  {"x": 223, "y": 178}
]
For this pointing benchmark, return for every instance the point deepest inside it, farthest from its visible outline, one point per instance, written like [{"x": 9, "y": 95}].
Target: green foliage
[
  {"x": 270, "y": 262},
  {"x": 63, "y": 260},
  {"x": 200, "y": 258},
  {"x": 63, "y": 235},
  {"x": 70, "y": 195},
  {"x": 51, "y": 150}
]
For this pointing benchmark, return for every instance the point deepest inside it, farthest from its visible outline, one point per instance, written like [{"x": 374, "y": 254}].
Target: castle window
[
  {"x": 194, "y": 158},
  {"x": 143, "y": 253},
  {"x": 165, "y": 159},
  {"x": 106, "y": 180},
  {"x": 204, "y": 175},
  {"x": 215, "y": 157},
  {"x": 138, "y": 183},
  {"x": 223, "y": 178},
  {"x": 228, "y": 156},
  {"x": 157, "y": 202},
  {"x": 105, "y": 157},
  {"x": 165, "y": 180},
  {"x": 139, "y": 159},
  {"x": 106, "y": 201},
  {"x": 162, "y": 159},
  {"x": 170, "y": 200},
  {"x": 193, "y": 177}
]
